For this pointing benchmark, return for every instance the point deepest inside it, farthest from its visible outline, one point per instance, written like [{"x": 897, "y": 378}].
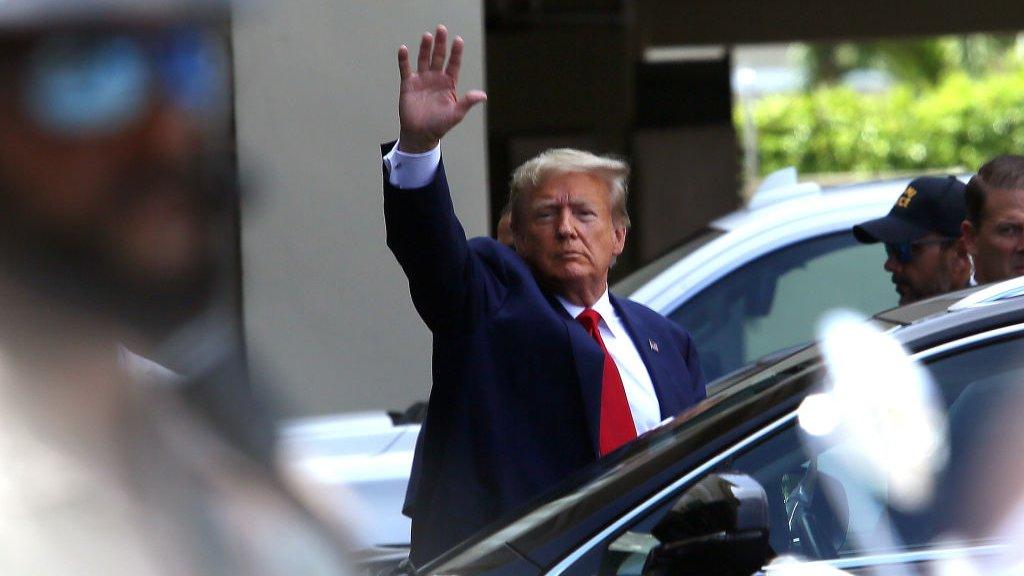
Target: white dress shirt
[
  {"x": 407, "y": 171},
  {"x": 643, "y": 402}
]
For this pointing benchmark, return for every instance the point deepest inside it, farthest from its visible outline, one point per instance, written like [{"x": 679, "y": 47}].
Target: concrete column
[{"x": 326, "y": 307}]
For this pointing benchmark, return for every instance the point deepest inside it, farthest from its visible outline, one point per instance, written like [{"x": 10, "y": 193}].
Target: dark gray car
[{"x": 733, "y": 483}]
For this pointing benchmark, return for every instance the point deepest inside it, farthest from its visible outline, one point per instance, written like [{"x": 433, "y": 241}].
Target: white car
[
  {"x": 360, "y": 459},
  {"x": 755, "y": 281},
  {"x": 752, "y": 283}
]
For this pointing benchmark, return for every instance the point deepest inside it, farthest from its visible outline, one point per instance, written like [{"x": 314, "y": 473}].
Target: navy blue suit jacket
[{"x": 514, "y": 406}]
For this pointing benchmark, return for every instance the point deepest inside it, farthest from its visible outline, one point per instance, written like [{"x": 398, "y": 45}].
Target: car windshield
[
  {"x": 653, "y": 452},
  {"x": 634, "y": 281}
]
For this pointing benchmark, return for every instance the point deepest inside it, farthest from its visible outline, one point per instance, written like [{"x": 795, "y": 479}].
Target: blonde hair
[{"x": 532, "y": 173}]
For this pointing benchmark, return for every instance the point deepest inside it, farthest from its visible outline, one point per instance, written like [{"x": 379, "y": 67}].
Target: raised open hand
[{"x": 428, "y": 104}]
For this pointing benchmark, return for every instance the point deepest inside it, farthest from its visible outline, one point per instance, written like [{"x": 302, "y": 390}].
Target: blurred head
[
  {"x": 114, "y": 172},
  {"x": 994, "y": 228},
  {"x": 568, "y": 217},
  {"x": 921, "y": 234}
]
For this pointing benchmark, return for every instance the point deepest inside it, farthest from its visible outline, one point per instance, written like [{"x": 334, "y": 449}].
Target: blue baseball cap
[{"x": 929, "y": 204}]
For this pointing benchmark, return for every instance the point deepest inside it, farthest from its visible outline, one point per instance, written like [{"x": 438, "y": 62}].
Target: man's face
[
  {"x": 566, "y": 232},
  {"x": 933, "y": 268},
  {"x": 997, "y": 245},
  {"x": 115, "y": 188}
]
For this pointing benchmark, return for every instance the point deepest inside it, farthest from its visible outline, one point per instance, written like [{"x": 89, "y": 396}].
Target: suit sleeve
[{"x": 447, "y": 282}]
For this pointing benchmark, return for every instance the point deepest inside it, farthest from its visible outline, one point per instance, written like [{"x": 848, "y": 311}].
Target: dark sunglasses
[
  {"x": 904, "y": 251},
  {"x": 88, "y": 83}
]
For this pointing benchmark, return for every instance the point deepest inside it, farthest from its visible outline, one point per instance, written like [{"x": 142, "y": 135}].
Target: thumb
[{"x": 470, "y": 99}]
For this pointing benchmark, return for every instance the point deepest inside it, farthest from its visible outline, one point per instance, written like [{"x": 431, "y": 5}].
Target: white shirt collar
[{"x": 603, "y": 306}]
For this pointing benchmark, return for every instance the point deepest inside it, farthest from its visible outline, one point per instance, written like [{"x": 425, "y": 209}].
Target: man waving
[{"x": 538, "y": 369}]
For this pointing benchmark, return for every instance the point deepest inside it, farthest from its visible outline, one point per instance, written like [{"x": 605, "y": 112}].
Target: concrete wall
[{"x": 327, "y": 308}]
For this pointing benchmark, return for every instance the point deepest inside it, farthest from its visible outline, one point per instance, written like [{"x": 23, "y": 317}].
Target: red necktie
[{"x": 617, "y": 426}]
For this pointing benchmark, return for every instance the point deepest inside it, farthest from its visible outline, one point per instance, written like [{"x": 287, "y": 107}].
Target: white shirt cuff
[{"x": 406, "y": 171}]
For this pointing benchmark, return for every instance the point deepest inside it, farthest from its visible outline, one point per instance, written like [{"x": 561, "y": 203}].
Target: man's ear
[
  {"x": 960, "y": 261},
  {"x": 969, "y": 237},
  {"x": 619, "y": 233}
]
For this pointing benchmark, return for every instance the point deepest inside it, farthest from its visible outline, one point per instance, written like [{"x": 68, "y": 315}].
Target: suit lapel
[
  {"x": 589, "y": 361},
  {"x": 650, "y": 348}
]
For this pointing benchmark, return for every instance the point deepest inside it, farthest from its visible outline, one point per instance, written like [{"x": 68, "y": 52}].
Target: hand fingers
[
  {"x": 440, "y": 49},
  {"x": 404, "y": 69},
  {"x": 423, "y": 59},
  {"x": 455, "y": 62}
]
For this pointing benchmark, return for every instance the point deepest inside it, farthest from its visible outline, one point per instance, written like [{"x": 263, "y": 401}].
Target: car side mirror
[{"x": 719, "y": 526}]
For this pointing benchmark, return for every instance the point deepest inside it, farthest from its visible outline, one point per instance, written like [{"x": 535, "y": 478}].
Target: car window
[
  {"x": 774, "y": 302},
  {"x": 983, "y": 391}
]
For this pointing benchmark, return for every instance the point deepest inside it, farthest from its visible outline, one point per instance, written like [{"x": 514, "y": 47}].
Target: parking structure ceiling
[{"x": 689, "y": 22}]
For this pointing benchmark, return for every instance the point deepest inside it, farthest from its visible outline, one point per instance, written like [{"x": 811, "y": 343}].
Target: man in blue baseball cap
[{"x": 925, "y": 253}]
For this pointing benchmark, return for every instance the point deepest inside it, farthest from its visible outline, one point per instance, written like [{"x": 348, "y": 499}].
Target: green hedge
[{"x": 960, "y": 123}]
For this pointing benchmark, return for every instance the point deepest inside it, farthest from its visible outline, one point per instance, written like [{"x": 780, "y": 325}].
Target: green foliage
[
  {"x": 918, "y": 62},
  {"x": 960, "y": 122}
]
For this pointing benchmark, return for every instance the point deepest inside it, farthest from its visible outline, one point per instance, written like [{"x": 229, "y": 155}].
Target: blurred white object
[
  {"x": 819, "y": 414},
  {"x": 889, "y": 410}
]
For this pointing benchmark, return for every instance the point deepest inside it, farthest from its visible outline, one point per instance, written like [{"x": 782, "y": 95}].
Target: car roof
[
  {"x": 789, "y": 197},
  {"x": 804, "y": 203}
]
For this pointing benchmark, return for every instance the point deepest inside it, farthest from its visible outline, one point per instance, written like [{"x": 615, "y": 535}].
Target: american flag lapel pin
[{"x": 654, "y": 345}]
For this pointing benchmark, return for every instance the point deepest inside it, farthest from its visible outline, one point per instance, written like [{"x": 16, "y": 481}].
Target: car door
[{"x": 856, "y": 527}]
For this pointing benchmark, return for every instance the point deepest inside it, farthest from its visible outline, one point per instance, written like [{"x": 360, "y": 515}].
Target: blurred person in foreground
[
  {"x": 994, "y": 228},
  {"x": 924, "y": 252},
  {"x": 116, "y": 193},
  {"x": 538, "y": 370}
]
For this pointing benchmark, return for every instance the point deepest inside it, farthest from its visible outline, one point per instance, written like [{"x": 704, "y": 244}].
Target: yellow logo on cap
[{"x": 904, "y": 200}]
